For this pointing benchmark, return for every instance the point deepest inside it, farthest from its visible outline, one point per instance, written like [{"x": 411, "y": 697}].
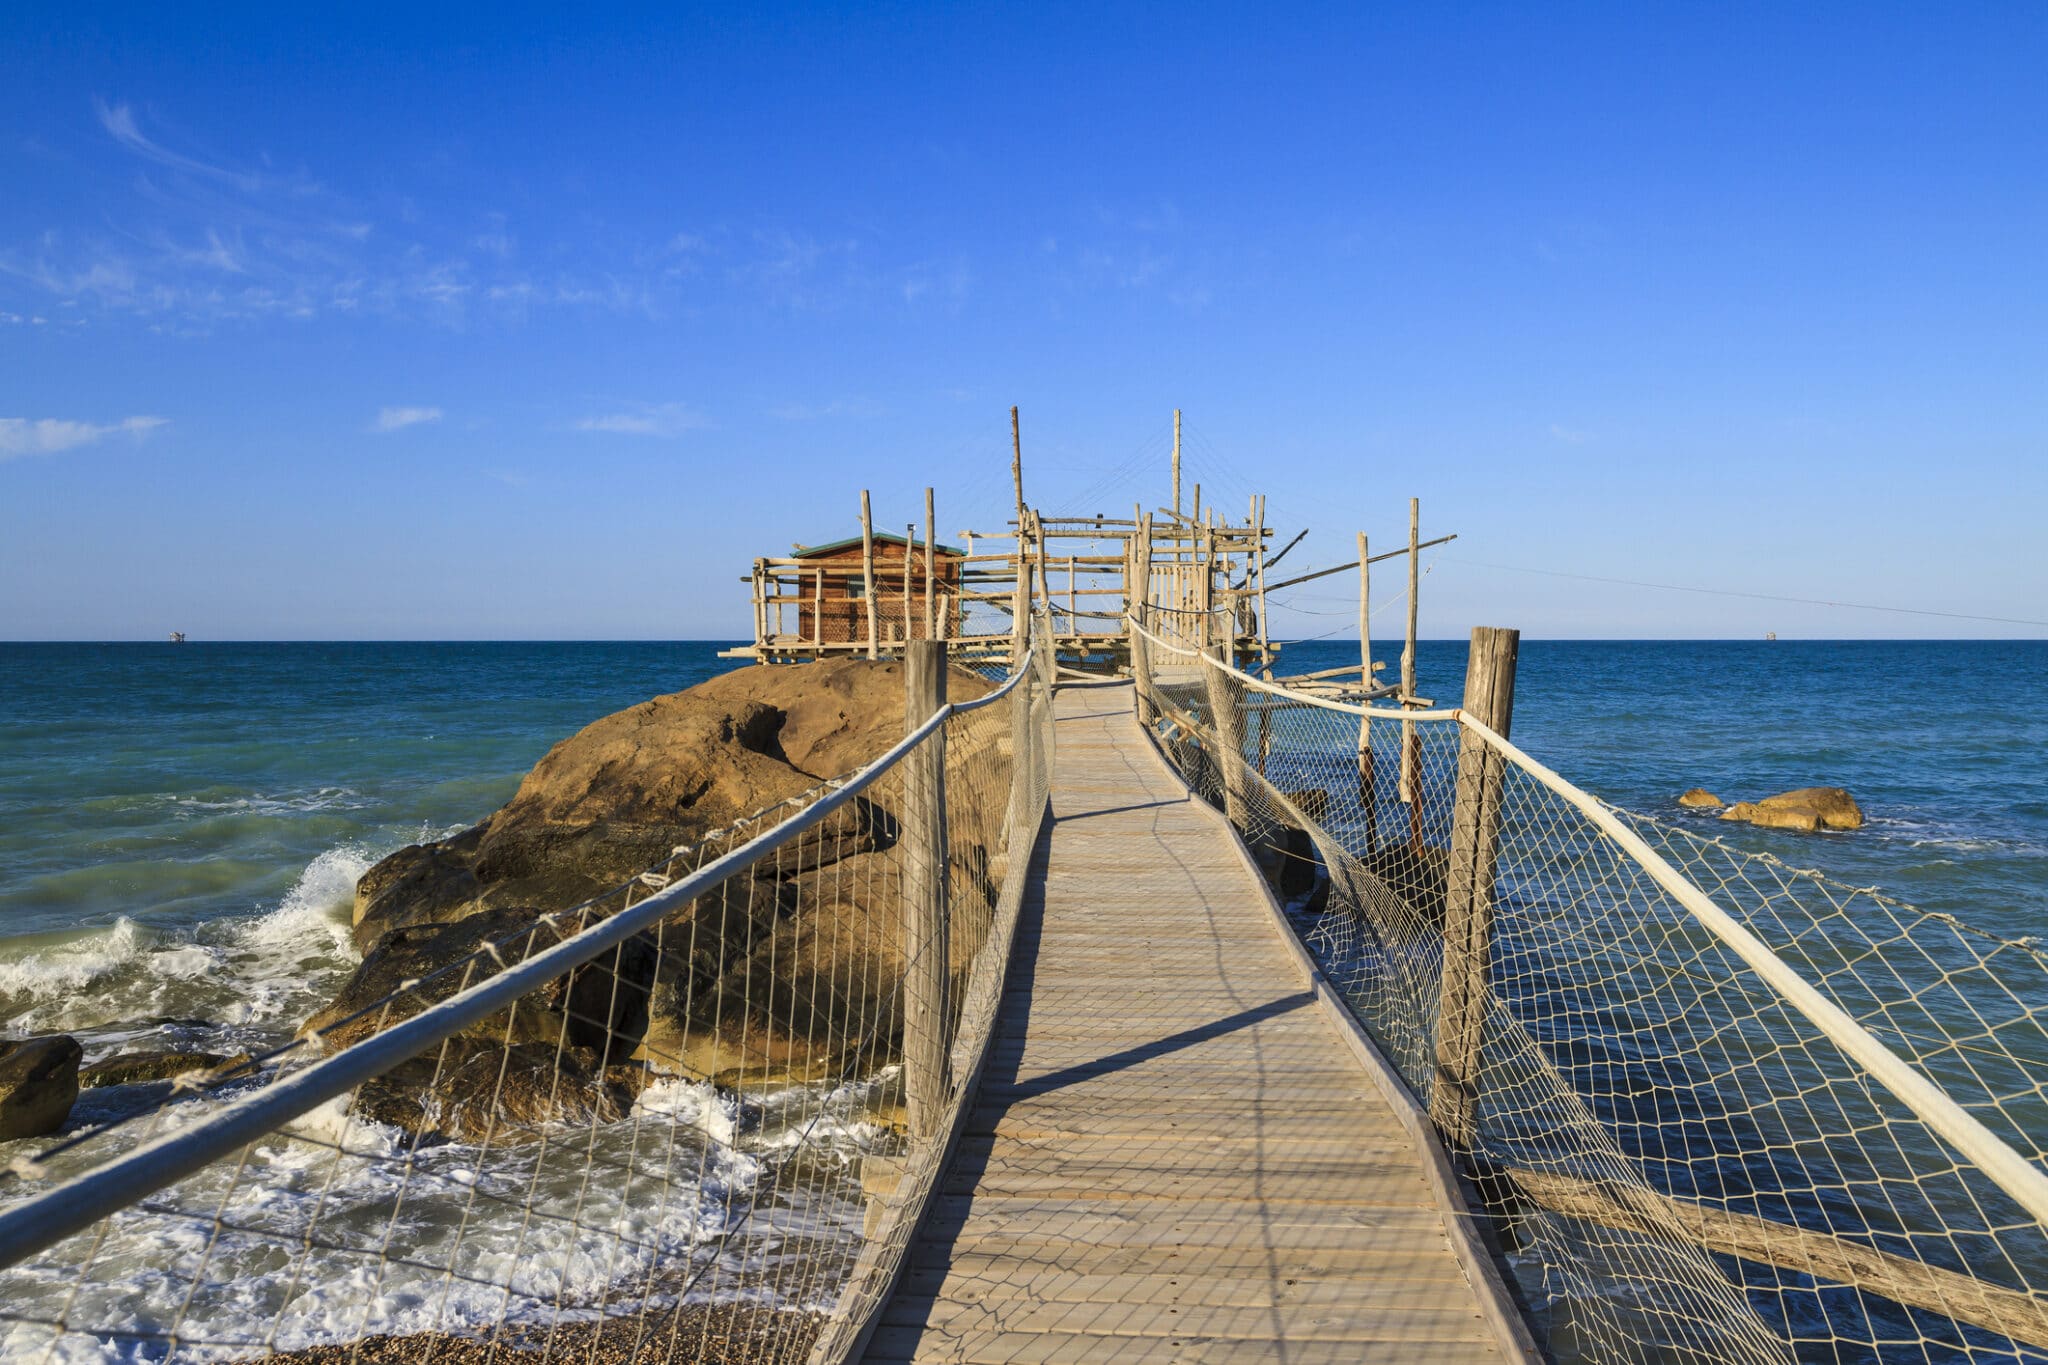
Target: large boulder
[
  {"x": 612, "y": 800},
  {"x": 38, "y": 1083},
  {"x": 1809, "y": 809},
  {"x": 789, "y": 970},
  {"x": 1699, "y": 798},
  {"x": 418, "y": 965}
]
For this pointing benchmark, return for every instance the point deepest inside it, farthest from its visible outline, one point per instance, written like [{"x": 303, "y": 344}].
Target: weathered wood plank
[{"x": 1172, "y": 1156}]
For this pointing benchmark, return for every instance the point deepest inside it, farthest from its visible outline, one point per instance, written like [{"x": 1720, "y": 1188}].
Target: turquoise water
[{"x": 180, "y": 826}]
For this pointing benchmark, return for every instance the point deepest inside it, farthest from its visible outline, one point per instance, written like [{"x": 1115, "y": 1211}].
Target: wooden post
[
  {"x": 1196, "y": 514},
  {"x": 927, "y": 950},
  {"x": 1176, "y": 462},
  {"x": 1073, "y": 620},
  {"x": 760, "y": 613},
  {"x": 1208, "y": 582},
  {"x": 1020, "y": 605},
  {"x": 867, "y": 572},
  {"x": 1229, "y": 737},
  {"x": 1044, "y": 581},
  {"x": 909, "y": 563},
  {"x": 1017, "y": 468},
  {"x": 931, "y": 624},
  {"x": 1468, "y": 889},
  {"x": 818, "y": 610},
  {"x": 1368, "y": 785},
  {"x": 1411, "y": 741},
  {"x": 1141, "y": 598},
  {"x": 1265, "y": 645},
  {"x": 1048, "y": 654}
]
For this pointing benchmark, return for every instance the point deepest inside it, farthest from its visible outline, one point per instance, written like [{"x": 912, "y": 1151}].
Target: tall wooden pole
[
  {"x": 867, "y": 572},
  {"x": 1017, "y": 467},
  {"x": 760, "y": 612},
  {"x": 1265, "y": 643},
  {"x": 1368, "y": 786},
  {"x": 1044, "y": 579},
  {"x": 931, "y": 624},
  {"x": 818, "y": 609},
  {"x": 1196, "y": 514},
  {"x": 1468, "y": 889},
  {"x": 909, "y": 564},
  {"x": 1176, "y": 462},
  {"x": 1020, "y": 606},
  {"x": 1411, "y": 743},
  {"x": 927, "y": 949},
  {"x": 1073, "y": 619}
]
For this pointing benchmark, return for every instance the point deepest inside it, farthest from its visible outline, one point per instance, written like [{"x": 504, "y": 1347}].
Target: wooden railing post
[
  {"x": 1229, "y": 739},
  {"x": 1468, "y": 890},
  {"x": 927, "y": 947},
  {"x": 1141, "y": 600},
  {"x": 1020, "y": 602},
  {"x": 867, "y": 571}
]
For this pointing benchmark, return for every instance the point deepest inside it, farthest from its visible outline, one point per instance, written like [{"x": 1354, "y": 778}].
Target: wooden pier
[{"x": 1179, "y": 1150}]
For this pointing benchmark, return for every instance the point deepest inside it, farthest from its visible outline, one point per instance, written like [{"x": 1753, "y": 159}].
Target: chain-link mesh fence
[
  {"x": 632, "y": 1129},
  {"x": 1693, "y": 1084}
]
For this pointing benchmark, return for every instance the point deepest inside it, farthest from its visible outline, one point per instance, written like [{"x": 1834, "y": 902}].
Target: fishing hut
[{"x": 1199, "y": 575}]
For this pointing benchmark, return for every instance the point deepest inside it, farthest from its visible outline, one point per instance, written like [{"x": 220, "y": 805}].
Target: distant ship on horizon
[{"x": 177, "y": 637}]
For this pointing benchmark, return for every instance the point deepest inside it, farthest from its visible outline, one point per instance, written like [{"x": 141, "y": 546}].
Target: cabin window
[{"x": 856, "y": 587}]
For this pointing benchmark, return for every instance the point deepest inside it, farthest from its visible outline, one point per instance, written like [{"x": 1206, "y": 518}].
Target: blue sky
[{"x": 504, "y": 324}]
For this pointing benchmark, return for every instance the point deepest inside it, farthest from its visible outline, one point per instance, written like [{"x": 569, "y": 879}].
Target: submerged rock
[
  {"x": 1699, "y": 798},
  {"x": 132, "y": 1068},
  {"x": 38, "y": 1084},
  {"x": 1809, "y": 809},
  {"x": 468, "y": 1090}
]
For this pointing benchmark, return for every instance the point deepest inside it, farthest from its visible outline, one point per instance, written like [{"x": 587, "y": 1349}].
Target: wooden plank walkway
[{"x": 1173, "y": 1156}]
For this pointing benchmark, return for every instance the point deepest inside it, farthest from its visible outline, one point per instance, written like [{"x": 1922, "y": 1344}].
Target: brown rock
[
  {"x": 131, "y": 1068},
  {"x": 601, "y": 1005},
  {"x": 38, "y": 1083},
  {"x": 790, "y": 971},
  {"x": 1808, "y": 809},
  {"x": 1751, "y": 812},
  {"x": 1700, "y": 797},
  {"x": 613, "y": 799},
  {"x": 469, "y": 1090},
  {"x": 1835, "y": 807}
]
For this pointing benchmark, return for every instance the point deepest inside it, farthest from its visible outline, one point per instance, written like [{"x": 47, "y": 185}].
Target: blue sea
[{"x": 181, "y": 826}]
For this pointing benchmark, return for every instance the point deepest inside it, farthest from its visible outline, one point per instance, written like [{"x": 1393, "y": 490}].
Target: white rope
[{"x": 2013, "y": 1173}]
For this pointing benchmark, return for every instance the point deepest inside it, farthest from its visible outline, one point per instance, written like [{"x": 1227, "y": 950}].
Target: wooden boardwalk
[{"x": 1174, "y": 1156}]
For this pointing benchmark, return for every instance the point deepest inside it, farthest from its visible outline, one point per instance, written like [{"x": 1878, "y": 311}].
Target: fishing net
[
  {"x": 1682, "y": 1161},
  {"x": 649, "y": 1144}
]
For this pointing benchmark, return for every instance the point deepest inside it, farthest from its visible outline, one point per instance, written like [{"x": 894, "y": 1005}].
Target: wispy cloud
[
  {"x": 208, "y": 238},
  {"x": 119, "y": 121},
  {"x": 653, "y": 419},
  {"x": 49, "y": 435},
  {"x": 397, "y": 419},
  {"x": 1571, "y": 436},
  {"x": 837, "y": 408}
]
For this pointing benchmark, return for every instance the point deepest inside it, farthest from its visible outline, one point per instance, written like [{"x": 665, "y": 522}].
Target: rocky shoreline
[{"x": 783, "y": 976}]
